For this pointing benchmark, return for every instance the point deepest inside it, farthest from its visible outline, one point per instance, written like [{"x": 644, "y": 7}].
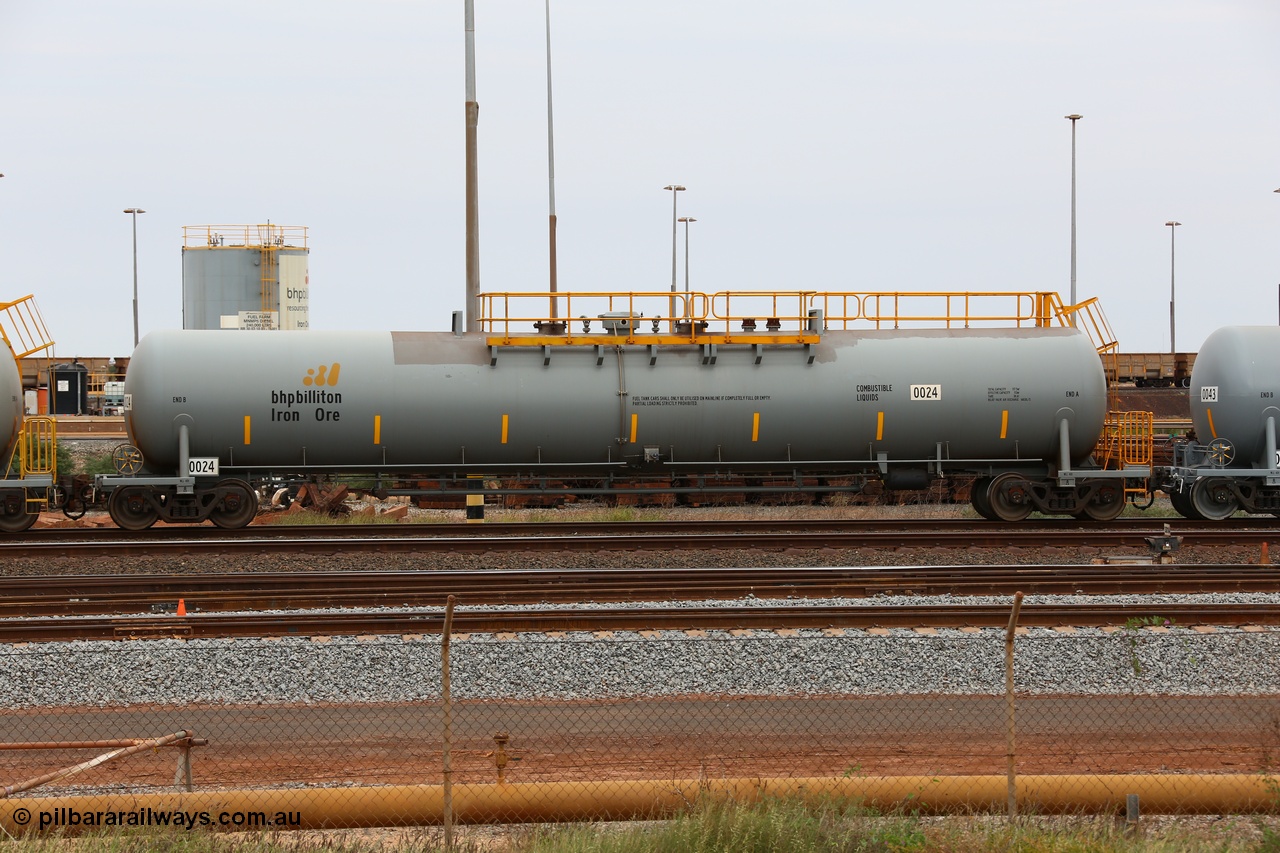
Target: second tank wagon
[{"x": 1232, "y": 462}]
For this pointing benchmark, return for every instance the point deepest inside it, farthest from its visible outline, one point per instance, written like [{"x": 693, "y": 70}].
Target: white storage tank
[{"x": 245, "y": 277}]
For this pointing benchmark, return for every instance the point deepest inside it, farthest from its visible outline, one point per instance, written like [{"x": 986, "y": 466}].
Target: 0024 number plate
[{"x": 202, "y": 466}]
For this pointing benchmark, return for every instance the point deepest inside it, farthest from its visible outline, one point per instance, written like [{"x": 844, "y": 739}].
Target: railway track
[
  {"x": 89, "y": 608},
  {"x": 1177, "y": 525},
  {"x": 550, "y": 620},
  {"x": 83, "y": 595},
  {"x": 651, "y": 536}
]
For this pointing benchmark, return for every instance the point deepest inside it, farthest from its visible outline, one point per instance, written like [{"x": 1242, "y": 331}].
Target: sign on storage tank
[{"x": 294, "y": 290}]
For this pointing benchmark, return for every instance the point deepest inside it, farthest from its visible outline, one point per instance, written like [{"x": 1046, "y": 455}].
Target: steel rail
[
  {"x": 186, "y": 533},
  {"x": 973, "y": 537},
  {"x": 544, "y": 620},
  {"x": 221, "y": 592}
]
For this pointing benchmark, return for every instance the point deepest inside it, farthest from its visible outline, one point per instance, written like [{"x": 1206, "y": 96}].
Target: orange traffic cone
[{"x": 182, "y": 607}]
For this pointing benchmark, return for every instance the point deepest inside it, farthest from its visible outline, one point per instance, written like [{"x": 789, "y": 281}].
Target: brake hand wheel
[
  {"x": 1221, "y": 452},
  {"x": 127, "y": 459}
]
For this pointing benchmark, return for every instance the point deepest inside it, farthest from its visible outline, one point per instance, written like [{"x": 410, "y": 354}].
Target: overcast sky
[{"x": 827, "y": 145}]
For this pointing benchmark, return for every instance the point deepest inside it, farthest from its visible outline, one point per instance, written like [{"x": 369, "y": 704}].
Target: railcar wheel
[
  {"x": 237, "y": 508},
  {"x": 14, "y": 517},
  {"x": 980, "y": 497},
  {"x": 1213, "y": 498},
  {"x": 130, "y": 508},
  {"x": 1010, "y": 497},
  {"x": 1180, "y": 500},
  {"x": 1107, "y": 503}
]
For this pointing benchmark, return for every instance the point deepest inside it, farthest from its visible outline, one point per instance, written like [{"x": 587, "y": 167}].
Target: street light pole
[
  {"x": 1074, "y": 117},
  {"x": 551, "y": 168},
  {"x": 686, "y": 220},
  {"x": 133, "y": 212},
  {"x": 472, "y": 179},
  {"x": 1173, "y": 228},
  {"x": 675, "y": 189}
]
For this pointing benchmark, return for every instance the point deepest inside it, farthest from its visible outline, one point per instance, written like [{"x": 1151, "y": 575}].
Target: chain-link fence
[{"x": 356, "y": 730}]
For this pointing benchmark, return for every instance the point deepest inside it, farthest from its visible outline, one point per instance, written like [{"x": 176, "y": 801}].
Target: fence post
[
  {"x": 1009, "y": 710},
  {"x": 447, "y": 737},
  {"x": 182, "y": 775},
  {"x": 1132, "y": 814}
]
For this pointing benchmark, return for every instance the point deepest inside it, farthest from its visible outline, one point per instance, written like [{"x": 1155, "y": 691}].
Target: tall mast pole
[
  {"x": 551, "y": 167},
  {"x": 1074, "y": 117},
  {"x": 473, "y": 208}
]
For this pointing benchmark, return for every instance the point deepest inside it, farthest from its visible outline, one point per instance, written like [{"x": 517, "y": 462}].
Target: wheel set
[
  {"x": 229, "y": 504},
  {"x": 1009, "y": 497}
]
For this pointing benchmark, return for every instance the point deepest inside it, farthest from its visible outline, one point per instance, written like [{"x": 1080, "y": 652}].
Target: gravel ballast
[{"x": 1140, "y": 659}]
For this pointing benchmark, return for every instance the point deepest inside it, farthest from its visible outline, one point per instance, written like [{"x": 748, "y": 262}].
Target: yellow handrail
[
  {"x": 38, "y": 446},
  {"x": 800, "y": 312},
  {"x": 244, "y": 236},
  {"x": 22, "y": 327}
]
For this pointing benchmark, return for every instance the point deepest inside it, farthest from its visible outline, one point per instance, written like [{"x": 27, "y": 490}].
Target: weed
[{"x": 1132, "y": 626}]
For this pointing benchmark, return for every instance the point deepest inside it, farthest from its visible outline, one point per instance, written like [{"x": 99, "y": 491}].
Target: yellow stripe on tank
[
  {"x": 505, "y": 421},
  {"x": 879, "y": 426},
  {"x": 1004, "y": 424},
  {"x": 246, "y": 429},
  {"x": 635, "y": 425},
  {"x": 377, "y": 429},
  {"x": 755, "y": 427},
  {"x": 1213, "y": 433}
]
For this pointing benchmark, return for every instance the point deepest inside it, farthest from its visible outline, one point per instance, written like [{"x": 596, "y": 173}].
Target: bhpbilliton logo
[{"x": 323, "y": 375}]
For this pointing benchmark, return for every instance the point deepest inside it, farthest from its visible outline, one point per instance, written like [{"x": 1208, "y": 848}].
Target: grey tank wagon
[{"x": 214, "y": 414}]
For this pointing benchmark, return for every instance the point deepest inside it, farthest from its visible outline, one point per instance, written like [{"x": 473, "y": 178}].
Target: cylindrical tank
[
  {"x": 70, "y": 386},
  {"x": 1235, "y": 387},
  {"x": 245, "y": 277},
  {"x": 433, "y": 398},
  {"x": 11, "y": 400}
]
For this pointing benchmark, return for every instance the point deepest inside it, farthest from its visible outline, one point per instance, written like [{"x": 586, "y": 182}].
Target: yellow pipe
[{"x": 421, "y": 805}]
